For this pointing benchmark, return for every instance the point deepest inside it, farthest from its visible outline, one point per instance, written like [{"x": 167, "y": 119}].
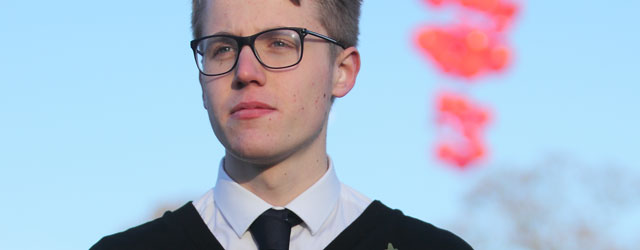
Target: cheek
[
  {"x": 215, "y": 103},
  {"x": 314, "y": 97}
]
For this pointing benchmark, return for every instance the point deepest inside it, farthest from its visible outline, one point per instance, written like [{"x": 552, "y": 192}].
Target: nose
[{"x": 248, "y": 69}]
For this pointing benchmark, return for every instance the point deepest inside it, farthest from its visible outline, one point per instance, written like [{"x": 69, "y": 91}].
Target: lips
[{"x": 250, "y": 110}]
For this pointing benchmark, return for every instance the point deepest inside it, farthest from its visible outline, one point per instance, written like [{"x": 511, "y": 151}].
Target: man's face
[{"x": 263, "y": 115}]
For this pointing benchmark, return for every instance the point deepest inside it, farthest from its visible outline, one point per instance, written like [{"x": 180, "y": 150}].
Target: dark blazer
[{"x": 378, "y": 227}]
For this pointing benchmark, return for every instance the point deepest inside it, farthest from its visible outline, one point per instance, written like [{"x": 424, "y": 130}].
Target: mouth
[{"x": 250, "y": 110}]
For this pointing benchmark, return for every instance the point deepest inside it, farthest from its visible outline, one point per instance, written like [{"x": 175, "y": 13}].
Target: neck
[{"x": 281, "y": 182}]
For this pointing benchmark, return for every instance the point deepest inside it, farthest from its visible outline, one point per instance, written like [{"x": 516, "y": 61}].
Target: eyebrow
[
  {"x": 222, "y": 33},
  {"x": 230, "y": 34}
]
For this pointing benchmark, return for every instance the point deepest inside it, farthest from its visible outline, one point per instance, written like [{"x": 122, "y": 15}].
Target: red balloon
[
  {"x": 463, "y": 51},
  {"x": 468, "y": 120}
]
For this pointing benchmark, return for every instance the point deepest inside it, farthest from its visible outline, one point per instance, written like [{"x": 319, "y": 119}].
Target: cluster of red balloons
[
  {"x": 464, "y": 51},
  {"x": 500, "y": 11},
  {"x": 468, "y": 120},
  {"x": 467, "y": 49}
]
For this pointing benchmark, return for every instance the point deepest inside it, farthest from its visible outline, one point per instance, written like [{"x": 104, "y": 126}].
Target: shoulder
[
  {"x": 181, "y": 229},
  {"x": 411, "y": 233},
  {"x": 143, "y": 236},
  {"x": 380, "y": 227}
]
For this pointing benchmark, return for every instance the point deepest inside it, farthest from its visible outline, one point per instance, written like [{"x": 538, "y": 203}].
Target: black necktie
[{"x": 272, "y": 229}]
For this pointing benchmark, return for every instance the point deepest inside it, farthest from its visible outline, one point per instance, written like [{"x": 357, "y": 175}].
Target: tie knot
[
  {"x": 272, "y": 229},
  {"x": 283, "y": 214}
]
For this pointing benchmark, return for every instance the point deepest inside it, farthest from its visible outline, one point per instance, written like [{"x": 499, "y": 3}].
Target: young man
[{"x": 269, "y": 71}]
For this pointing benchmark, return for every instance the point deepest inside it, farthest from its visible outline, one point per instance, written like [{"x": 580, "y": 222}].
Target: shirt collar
[{"x": 240, "y": 207}]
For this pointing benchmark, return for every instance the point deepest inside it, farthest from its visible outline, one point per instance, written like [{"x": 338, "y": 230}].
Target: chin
[{"x": 257, "y": 154}]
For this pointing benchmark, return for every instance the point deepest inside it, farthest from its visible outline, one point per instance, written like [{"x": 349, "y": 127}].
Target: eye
[
  {"x": 277, "y": 43},
  {"x": 281, "y": 44},
  {"x": 221, "y": 51}
]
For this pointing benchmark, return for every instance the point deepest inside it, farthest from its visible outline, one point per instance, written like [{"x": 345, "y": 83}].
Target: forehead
[{"x": 246, "y": 17}]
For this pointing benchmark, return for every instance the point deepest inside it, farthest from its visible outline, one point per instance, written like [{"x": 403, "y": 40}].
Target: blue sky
[{"x": 102, "y": 119}]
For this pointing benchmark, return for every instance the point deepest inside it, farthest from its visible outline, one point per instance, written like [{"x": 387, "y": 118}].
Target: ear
[{"x": 346, "y": 71}]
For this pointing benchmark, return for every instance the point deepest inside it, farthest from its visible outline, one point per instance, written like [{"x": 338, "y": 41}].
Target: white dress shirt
[{"x": 326, "y": 209}]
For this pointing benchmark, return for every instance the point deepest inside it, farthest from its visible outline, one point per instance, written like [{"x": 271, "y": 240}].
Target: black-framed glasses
[{"x": 274, "y": 48}]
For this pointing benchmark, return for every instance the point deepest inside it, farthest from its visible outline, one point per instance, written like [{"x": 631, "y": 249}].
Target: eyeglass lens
[{"x": 274, "y": 49}]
